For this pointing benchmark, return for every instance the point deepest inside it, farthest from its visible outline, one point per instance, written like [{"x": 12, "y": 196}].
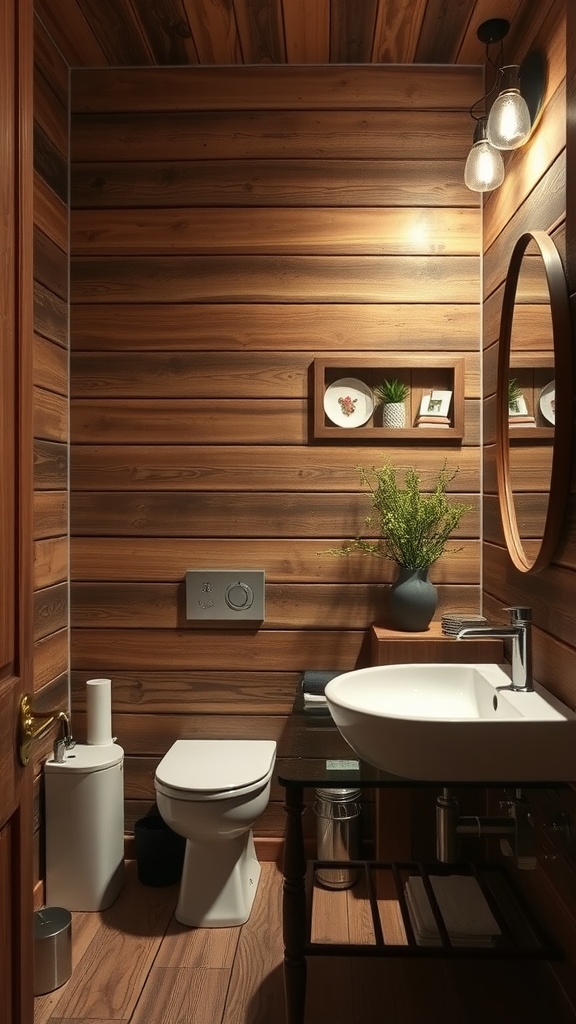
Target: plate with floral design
[
  {"x": 348, "y": 402},
  {"x": 548, "y": 402}
]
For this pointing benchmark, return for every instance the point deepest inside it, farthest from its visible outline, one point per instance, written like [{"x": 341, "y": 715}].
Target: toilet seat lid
[{"x": 211, "y": 766}]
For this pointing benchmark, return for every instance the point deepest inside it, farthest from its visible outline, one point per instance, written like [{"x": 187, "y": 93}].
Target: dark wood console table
[{"x": 312, "y": 753}]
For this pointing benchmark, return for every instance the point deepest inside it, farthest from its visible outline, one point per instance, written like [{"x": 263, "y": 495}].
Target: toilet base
[{"x": 219, "y": 882}]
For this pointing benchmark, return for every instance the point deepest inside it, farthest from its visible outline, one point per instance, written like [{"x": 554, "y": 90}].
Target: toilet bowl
[{"x": 211, "y": 792}]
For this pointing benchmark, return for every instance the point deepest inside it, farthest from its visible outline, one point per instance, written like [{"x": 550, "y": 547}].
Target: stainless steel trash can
[
  {"x": 337, "y": 835},
  {"x": 52, "y": 948}
]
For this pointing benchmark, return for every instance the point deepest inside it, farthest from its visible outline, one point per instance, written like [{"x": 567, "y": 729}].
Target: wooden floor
[{"x": 134, "y": 964}]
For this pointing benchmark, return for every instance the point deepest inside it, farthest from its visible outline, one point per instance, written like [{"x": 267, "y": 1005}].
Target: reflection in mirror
[{"x": 534, "y": 402}]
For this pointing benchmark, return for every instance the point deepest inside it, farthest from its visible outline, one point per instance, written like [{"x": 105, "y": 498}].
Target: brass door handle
[{"x": 34, "y": 725}]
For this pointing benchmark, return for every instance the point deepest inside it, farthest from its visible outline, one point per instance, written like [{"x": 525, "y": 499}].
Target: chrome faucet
[{"x": 520, "y": 633}]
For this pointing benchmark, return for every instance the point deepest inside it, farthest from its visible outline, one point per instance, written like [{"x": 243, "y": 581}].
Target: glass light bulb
[
  {"x": 509, "y": 122},
  {"x": 484, "y": 169}
]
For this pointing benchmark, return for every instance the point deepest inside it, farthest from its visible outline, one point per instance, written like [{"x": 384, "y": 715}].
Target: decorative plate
[
  {"x": 547, "y": 402},
  {"x": 348, "y": 402}
]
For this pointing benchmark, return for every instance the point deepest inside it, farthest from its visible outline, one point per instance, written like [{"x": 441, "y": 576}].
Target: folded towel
[
  {"x": 315, "y": 682},
  {"x": 466, "y": 914},
  {"x": 314, "y": 699}
]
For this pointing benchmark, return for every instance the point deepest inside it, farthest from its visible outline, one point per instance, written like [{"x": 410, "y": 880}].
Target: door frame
[{"x": 16, "y": 434}]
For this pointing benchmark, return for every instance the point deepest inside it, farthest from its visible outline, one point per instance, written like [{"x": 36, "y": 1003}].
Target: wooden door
[{"x": 16, "y": 674}]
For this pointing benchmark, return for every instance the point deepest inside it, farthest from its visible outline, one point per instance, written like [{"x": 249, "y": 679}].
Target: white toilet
[{"x": 212, "y": 792}]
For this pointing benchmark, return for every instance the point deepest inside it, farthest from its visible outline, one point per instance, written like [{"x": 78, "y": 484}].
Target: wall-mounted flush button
[
  {"x": 239, "y": 596},
  {"x": 216, "y": 596}
]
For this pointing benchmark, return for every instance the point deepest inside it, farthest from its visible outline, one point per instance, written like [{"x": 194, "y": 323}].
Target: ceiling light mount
[{"x": 493, "y": 31}]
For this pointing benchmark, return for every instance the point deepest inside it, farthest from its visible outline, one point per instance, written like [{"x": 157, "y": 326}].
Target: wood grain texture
[
  {"x": 273, "y": 279},
  {"x": 535, "y": 192},
  {"x": 217, "y": 251},
  {"x": 50, "y": 370},
  {"x": 264, "y": 88},
  {"x": 147, "y": 559},
  {"x": 276, "y": 376},
  {"x": 179, "y": 515},
  {"x": 356, "y": 989},
  {"x": 294, "y": 183},
  {"x": 282, "y": 231},
  {"x": 255, "y": 327},
  {"x": 217, "y": 135}
]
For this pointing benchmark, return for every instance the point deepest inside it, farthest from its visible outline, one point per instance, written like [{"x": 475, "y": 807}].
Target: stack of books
[
  {"x": 431, "y": 422},
  {"x": 521, "y": 421}
]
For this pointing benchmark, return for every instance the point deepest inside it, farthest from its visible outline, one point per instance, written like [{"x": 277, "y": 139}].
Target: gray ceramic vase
[{"x": 413, "y": 600}]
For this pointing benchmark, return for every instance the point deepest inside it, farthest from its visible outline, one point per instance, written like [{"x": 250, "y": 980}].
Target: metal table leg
[{"x": 294, "y": 907}]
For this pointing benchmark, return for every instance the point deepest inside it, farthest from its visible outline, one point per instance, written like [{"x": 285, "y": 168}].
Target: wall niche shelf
[
  {"x": 422, "y": 373},
  {"x": 533, "y": 372}
]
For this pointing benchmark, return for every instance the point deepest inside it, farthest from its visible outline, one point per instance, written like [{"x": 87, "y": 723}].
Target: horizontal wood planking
[
  {"x": 197, "y": 692},
  {"x": 288, "y": 606},
  {"x": 50, "y": 415},
  {"x": 281, "y": 650},
  {"x": 340, "y": 88},
  {"x": 279, "y": 375},
  {"x": 214, "y": 444},
  {"x": 154, "y": 559},
  {"x": 273, "y": 514},
  {"x": 296, "y": 183},
  {"x": 50, "y": 658},
  {"x": 254, "y": 327},
  {"x": 50, "y": 514},
  {"x": 50, "y": 372},
  {"x": 279, "y": 279},
  {"x": 51, "y": 564},
  {"x": 202, "y": 467},
  {"x": 534, "y": 195},
  {"x": 365, "y": 231},
  {"x": 379, "y": 135},
  {"x": 50, "y": 365},
  {"x": 50, "y": 315},
  {"x": 248, "y": 421},
  {"x": 50, "y": 610}
]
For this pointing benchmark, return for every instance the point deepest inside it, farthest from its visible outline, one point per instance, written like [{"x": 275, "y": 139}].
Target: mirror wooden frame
[{"x": 561, "y": 454}]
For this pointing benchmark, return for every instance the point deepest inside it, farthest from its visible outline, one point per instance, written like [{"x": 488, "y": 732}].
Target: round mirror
[{"x": 534, "y": 402}]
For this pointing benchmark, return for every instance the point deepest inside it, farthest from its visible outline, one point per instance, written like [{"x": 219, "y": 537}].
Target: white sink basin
[{"x": 453, "y": 723}]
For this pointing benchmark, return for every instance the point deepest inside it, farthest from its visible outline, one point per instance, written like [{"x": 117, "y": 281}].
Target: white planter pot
[{"x": 393, "y": 414}]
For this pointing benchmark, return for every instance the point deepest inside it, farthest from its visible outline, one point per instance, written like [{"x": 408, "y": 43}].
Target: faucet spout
[{"x": 520, "y": 633}]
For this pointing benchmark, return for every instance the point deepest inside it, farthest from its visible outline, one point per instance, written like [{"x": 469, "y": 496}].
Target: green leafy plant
[
  {"x": 391, "y": 392},
  {"x": 514, "y": 393},
  {"x": 414, "y": 526}
]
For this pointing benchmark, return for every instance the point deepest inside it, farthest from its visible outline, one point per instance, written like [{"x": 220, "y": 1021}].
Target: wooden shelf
[{"x": 422, "y": 373}]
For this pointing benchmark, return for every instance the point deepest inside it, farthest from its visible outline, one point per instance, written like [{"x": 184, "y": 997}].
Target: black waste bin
[{"x": 159, "y": 852}]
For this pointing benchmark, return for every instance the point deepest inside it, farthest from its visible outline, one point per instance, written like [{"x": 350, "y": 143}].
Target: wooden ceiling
[{"x": 118, "y": 33}]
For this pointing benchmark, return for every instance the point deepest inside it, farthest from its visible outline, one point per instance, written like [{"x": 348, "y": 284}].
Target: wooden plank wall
[
  {"x": 533, "y": 196},
  {"x": 217, "y": 248},
  {"x": 51, "y": 263}
]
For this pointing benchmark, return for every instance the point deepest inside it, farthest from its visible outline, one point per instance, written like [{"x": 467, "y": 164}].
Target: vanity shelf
[
  {"x": 520, "y": 934},
  {"x": 423, "y": 373}
]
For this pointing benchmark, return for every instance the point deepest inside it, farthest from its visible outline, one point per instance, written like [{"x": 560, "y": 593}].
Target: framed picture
[
  {"x": 436, "y": 403},
  {"x": 517, "y": 406}
]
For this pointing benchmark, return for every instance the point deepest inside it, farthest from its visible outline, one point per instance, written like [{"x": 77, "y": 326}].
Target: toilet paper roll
[{"x": 99, "y": 712}]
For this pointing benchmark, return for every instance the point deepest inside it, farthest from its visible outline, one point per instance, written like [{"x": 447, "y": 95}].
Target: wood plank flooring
[{"x": 134, "y": 964}]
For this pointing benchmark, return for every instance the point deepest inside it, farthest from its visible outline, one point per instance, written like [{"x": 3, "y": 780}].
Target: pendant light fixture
[
  {"x": 512, "y": 115},
  {"x": 509, "y": 122},
  {"x": 484, "y": 169}
]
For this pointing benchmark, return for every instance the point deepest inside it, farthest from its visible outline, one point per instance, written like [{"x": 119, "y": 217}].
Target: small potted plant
[
  {"x": 514, "y": 397},
  {"x": 392, "y": 394},
  {"x": 414, "y": 528}
]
